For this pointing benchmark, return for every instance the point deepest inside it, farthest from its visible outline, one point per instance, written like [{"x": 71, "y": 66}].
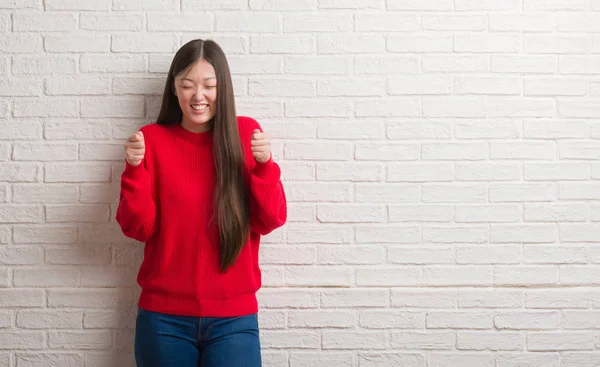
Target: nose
[{"x": 199, "y": 93}]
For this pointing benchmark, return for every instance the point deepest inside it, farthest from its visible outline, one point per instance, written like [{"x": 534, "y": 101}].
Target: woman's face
[{"x": 196, "y": 90}]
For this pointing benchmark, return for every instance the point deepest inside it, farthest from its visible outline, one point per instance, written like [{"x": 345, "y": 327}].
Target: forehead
[{"x": 198, "y": 71}]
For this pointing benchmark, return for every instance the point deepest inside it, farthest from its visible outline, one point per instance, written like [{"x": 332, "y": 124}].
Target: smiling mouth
[{"x": 199, "y": 107}]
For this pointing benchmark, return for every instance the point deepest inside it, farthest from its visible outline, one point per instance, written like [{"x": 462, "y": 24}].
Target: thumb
[
  {"x": 256, "y": 131},
  {"x": 140, "y": 136}
]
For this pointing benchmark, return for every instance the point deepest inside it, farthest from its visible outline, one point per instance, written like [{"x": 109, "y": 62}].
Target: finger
[
  {"x": 136, "y": 152},
  {"x": 136, "y": 145},
  {"x": 257, "y": 143}
]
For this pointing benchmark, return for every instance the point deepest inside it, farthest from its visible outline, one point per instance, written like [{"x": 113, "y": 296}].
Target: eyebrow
[{"x": 188, "y": 79}]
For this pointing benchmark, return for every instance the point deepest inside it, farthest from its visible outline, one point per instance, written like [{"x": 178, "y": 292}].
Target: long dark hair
[{"x": 231, "y": 196}]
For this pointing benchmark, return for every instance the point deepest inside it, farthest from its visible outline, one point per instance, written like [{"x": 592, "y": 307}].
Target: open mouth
[{"x": 201, "y": 107}]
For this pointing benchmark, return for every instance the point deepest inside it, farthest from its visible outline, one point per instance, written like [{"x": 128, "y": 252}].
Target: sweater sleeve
[
  {"x": 268, "y": 205},
  {"x": 136, "y": 213}
]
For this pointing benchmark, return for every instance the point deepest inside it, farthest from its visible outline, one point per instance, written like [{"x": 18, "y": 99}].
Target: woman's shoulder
[{"x": 247, "y": 125}]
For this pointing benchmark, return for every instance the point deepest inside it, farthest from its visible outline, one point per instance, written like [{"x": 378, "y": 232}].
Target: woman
[{"x": 199, "y": 187}]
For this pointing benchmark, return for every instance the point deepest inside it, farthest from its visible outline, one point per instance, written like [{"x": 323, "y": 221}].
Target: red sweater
[{"x": 167, "y": 202}]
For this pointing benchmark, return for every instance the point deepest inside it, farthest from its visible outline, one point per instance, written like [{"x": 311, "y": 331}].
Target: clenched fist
[
  {"x": 260, "y": 146},
  {"x": 135, "y": 148}
]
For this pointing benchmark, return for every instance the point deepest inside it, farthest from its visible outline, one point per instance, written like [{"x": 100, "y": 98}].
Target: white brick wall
[{"x": 438, "y": 157}]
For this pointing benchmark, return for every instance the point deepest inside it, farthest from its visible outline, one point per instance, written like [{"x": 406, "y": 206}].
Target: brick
[
  {"x": 305, "y": 339},
  {"x": 311, "y": 65},
  {"x": 538, "y": 150},
  {"x": 21, "y": 4},
  {"x": 420, "y": 256},
  {"x": 460, "y": 276},
  {"x": 553, "y": 5},
  {"x": 144, "y": 43},
  {"x": 354, "y": 298},
  {"x": 527, "y": 22},
  {"x": 145, "y": 5},
  {"x": 528, "y": 233},
  {"x": 484, "y": 340},
  {"x": 487, "y": 85},
  {"x": 384, "y": 319},
  {"x": 420, "y": 213},
  {"x": 514, "y": 276},
  {"x": 75, "y": 172},
  {"x": 527, "y": 360},
  {"x": 419, "y": 85},
  {"x": 49, "y": 319},
  {"x": 459, "y": 320},
  {"x": 488, "y": 255},
  {"x": 563, "y": 341},
  {"x": 47, "y": 277},
  {"x": 397, "y": 107},
  {"x": 105, "y": 63},
  {"x": 69, "y": 85},
  {"x": 283, "y": 5},
  {"x": 350, "y": 44},
  {"x": 44, "y": 152},
  {"x": 427, "y": 129},
  {"x": 318, "y": 276},
  {"x": 28, "y": 65},
  {"x": 20, "y": 214},
  {"x": 354, "y": 340},
  {"x": 429, "y": 340},
  {"x": 21, "y": 255},
  {"x": 454, "y": 107},
  {"x": 553, "y": 129},
  {"x": 534, "y": 64},
  {"x": 305, "y": 359},
  {"x": 422, "y": 172},
  {"x": 20, "y": 87},
  {"x": 113, "y": 107},
  {"x": 388, "y": 234},
  {"x": 26, "y": 43},
  {"x": 350, "y": 213},
  {"x": 293, "y": 23},
  {"x": 490, "y": 298},
  {"x": 459, "y": 359},
  {"x": 350, "y": 255},
  {"x": 384, "y": 65},
  {"x": 526, "y": 320},
  {"x": 269, "y": 44},
  {"x": 18, "y": 172},
  {"x": 455, "y": 63},
  {"x": 551, "y": 44},
  {"x": 281, "y": 88},
  {"x": 418, "y": 43},
  {"x": 244, "y": 22},
  {"x": 24, "y": 359},
  {"x": 14, "y": 339},
  {"x": 15, "y": 297},
  {"x": 44, "y": 22},
  {"x": 322, "y": 108},
  {"x": 350, "y": 4},
  {"x": 472, "y": 234},
  {"x": 322, "y": 319},
  {"x": 391, "y": 359},
  {"x": 487, "y": 213},
  {"x": 555, "y": 87},
  {"x": 579, "y": 359},
  {"x": 82, "y": 129},
  {"x": 192, "y": 22},
  {"x": 388, "y": 277},
  {"x": 82, "y": 255},
  {"x": 512, "y": 192},
  {"x": 46, "y": 107},
  {"x": 80, "y": 339},
  {"x": 449, "y": 22},
  {"x": 328, "y": 129},
  {"x": 386, "y": 22},
  {"x": 488, "y": 43},
  {"x": 285, "y": 298},
  {"x": 76, "y": 5},
  {"x": 454, "y": 193},
  {"x": 82, "y": 298},
  {"x": 45, "y": 235},
  {"x": 386, "y": 193},
  {"x": 487, "y": 5}
]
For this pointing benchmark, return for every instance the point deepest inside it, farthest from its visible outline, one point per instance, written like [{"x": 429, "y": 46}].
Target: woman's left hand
[{"x": 261, "y": 146}]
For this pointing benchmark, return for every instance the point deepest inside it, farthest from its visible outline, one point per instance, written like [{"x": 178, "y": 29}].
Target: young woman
[{"x": 199, "y": 187}]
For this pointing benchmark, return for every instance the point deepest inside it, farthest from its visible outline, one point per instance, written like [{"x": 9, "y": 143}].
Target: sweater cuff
[
  {"x": 267, "y": 170},
  {"x": 134, "y": 172}
]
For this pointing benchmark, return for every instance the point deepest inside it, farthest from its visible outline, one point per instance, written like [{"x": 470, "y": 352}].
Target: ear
[{"x": 174, "y": 90}]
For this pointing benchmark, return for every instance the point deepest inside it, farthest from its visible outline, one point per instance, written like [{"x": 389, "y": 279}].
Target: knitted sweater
[{"x": 167, "y": 202}]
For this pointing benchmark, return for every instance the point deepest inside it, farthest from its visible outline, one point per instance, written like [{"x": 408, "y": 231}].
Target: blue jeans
[{"x": 184, "y": 341}]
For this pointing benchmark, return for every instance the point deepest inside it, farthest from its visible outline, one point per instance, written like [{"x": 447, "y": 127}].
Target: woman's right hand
[{"x": 135, "y": 149}]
